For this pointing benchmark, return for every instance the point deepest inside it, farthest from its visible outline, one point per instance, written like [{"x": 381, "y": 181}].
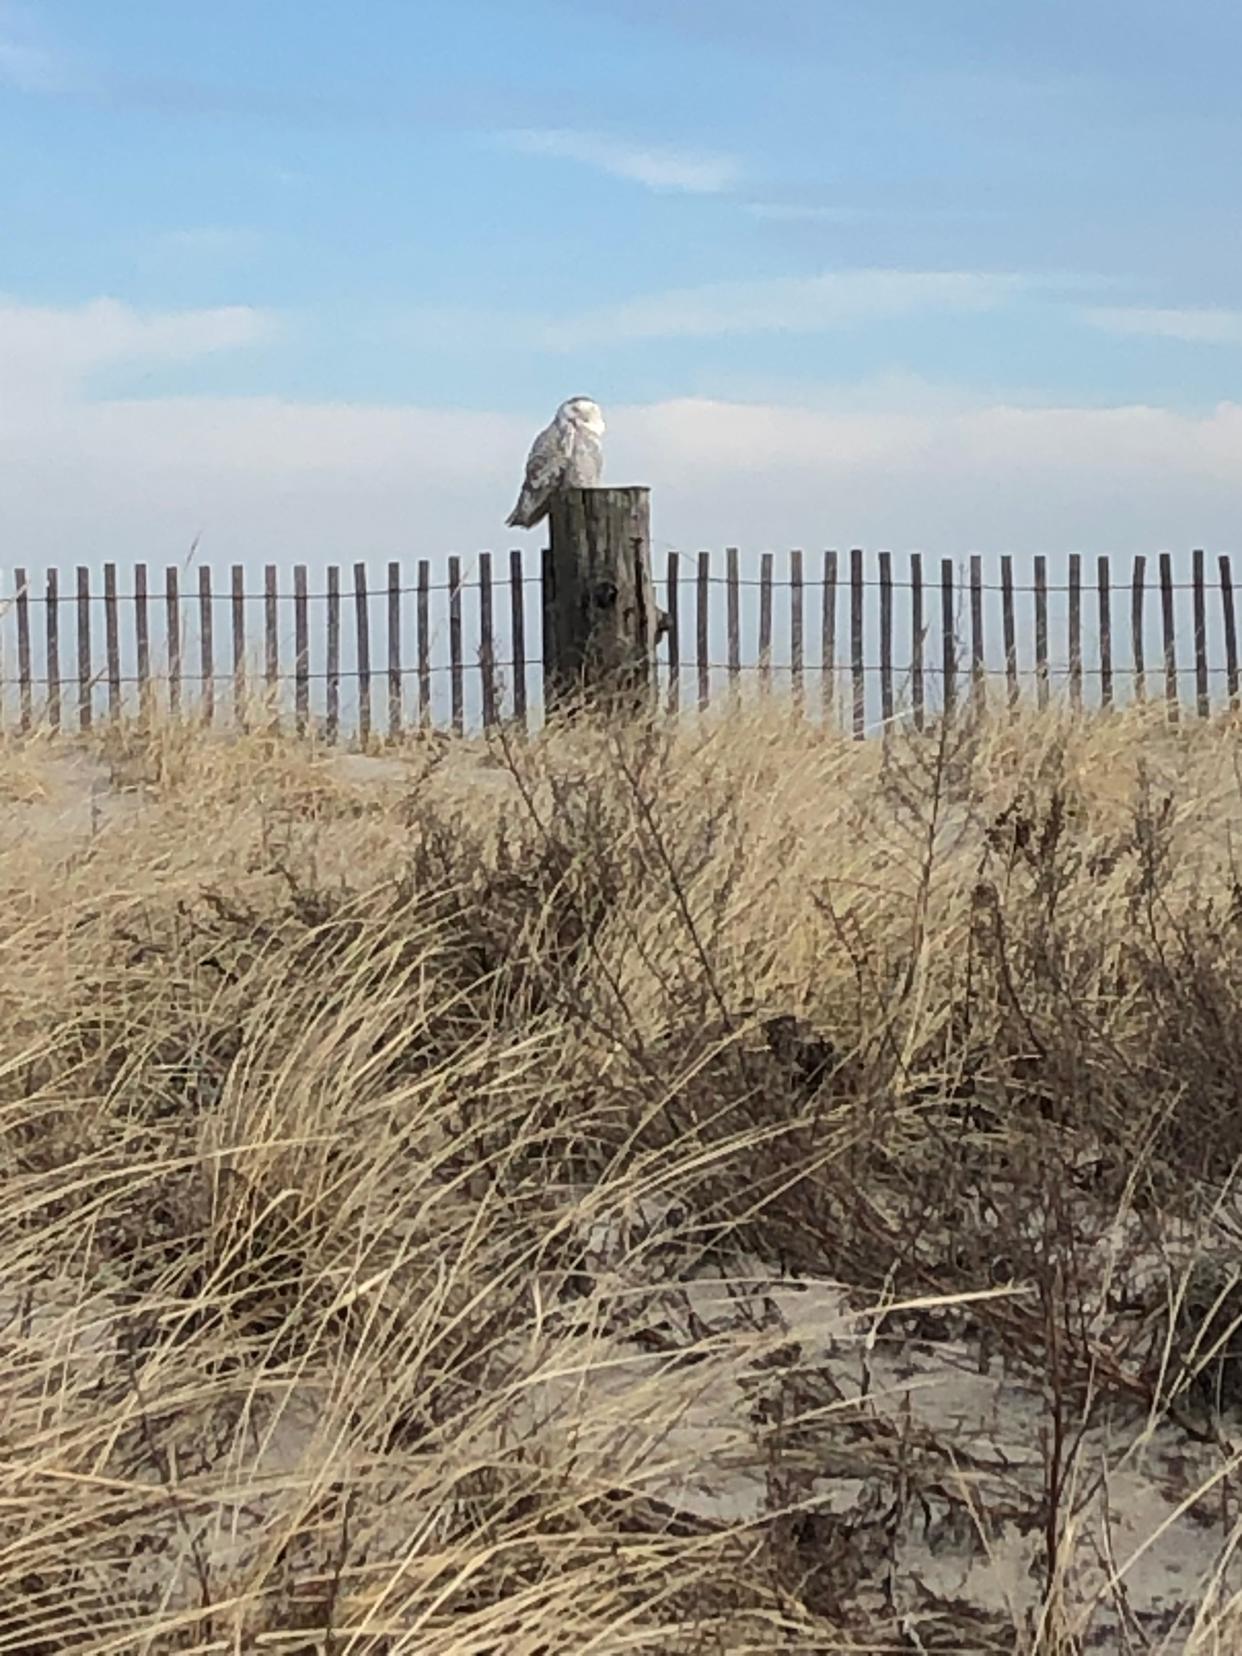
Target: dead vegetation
[{"x": 675, "y": 1190}]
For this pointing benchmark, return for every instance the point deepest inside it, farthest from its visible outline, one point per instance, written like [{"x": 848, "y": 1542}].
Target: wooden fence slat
[
  {"x": 85, "y": 686},
  {"x": 24, "y": 679},
  {"x": 301, "y": 650},
  {"x": 733, "y": 621},
  {"x": 918, "y": 636},
  {"x": 828, "y": 646},
  {"x": 546, "y": 589},
  {"x": 142, "y": 639},
  {"x": 1075, "y": 629},
  {"x": 1009, "y": 633},
  {"x": 948, "y": 636},
  {"x": 362, "y": 646},
  {"x": 487, "y": 642},
  {"x": 172, "y": 635},
  {"x": 672, "y": 602},
  {"x": 702, "y": 631},
  {"x": 1170, "y": 636},
  {"x": 271, "y": 637},
  {"x": 455, "y": 653},
  {"x": 332, "y": 666},
  {"x": 1137, "y": 651},
  {"x": 53, "y": 648},
  {"x": 1109, "y": 664},
  {"x": 886, "y": 636},
  {"x": 394, "y": 650},
  {"x": 206, "y": 644},
  {"x": 856, "y": 643},
  {"x": 1203, "y": 702},
  {"x": 424, "y": 642},
  {"x": 239, "y": 645},
  {"x": 1104, "y": 597},
  {"x": 517, "y": 627},
  {"x": 765, "y": 622},
  {"x": 112, "y": 641},
  {"x": 1229, "y": 616},
  {"x": 978, "y": 686},
  {"x": 1041, "y": 630},
  {"x": 796, "y": 607}
]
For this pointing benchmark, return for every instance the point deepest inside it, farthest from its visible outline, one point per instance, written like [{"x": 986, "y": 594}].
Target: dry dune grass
[{"x": 718, "y": 1189}]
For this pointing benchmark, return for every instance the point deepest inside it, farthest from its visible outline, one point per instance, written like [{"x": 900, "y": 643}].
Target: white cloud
[
  {"x": 1203, "y": 326},
  {"x": 48, "y": 350},
  {"x": 785, "y": 304},
  {"x": 89, "y": 477},
  {"x": 791, "y": 304},
  {"x": 654, "y": 166}
]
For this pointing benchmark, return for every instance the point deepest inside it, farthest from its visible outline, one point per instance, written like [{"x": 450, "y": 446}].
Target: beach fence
[{"x": 855, "y": 638}]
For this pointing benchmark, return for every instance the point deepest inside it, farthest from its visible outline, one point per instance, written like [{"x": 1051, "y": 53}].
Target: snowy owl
[{"x": 568, "y": 454}]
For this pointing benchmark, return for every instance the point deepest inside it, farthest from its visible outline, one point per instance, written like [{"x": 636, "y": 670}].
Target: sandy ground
[
  {"x": 931, "y": 1478},
  {"x": 67, "y": 796}
]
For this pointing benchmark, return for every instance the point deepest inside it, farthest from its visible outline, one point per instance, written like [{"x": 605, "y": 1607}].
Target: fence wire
[{"x": 465, "y": 636}]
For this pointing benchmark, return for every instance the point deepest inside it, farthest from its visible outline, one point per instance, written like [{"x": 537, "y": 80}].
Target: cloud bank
[{"x": 88, "y": 477}]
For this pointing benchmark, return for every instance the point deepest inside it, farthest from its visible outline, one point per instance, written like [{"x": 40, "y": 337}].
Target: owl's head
[{"x": 581, "y": 411}]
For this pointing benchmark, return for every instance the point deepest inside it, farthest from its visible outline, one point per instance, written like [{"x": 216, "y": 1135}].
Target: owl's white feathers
[{"x": 568, "y": 454}]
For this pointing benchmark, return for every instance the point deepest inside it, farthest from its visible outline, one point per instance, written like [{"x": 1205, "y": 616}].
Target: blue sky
[
  {"x": 426, "y": 194},
  {"x": 909, "y": 272}
]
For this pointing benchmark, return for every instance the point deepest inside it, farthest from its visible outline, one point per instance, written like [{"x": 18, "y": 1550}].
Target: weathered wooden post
[{"x": 601, "y": 620}]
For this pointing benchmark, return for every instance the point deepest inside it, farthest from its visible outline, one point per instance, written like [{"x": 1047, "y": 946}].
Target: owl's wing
[
  {"x": 546, "y": 461},
  {"x": 586, "y": 464},
  {"x": 545, "y": 466}
]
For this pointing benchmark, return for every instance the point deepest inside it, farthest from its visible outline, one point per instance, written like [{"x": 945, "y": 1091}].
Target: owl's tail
[{"x": 527, "y": 513}]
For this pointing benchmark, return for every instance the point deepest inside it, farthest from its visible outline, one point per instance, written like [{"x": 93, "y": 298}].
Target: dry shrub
[{"x": 346, "y": 1122}]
